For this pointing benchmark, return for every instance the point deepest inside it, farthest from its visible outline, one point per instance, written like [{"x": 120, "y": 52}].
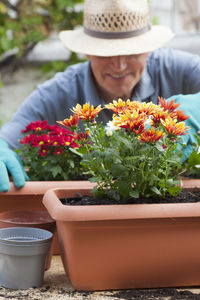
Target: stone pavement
[{"x": 57, "y": 286}]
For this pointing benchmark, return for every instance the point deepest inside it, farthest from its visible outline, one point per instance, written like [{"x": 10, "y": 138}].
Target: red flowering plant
[
  {"x": 136, "y": 153},
  {"x": 46, "y": 152}
]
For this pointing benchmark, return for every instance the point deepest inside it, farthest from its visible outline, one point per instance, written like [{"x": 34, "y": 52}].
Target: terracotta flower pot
[
  {"x": 30, "y": 197},
  {"x": 30, "y": 218},
  {"x": 127, "y": 246}
]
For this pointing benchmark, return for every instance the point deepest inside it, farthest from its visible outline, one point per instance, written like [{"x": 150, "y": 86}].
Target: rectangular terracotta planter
[
  {"x": 127, "y": 246},
  {"x": 30, "y": 197}
]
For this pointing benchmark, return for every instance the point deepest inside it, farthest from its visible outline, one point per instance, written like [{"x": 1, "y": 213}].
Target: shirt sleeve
[
  {"x": 174, "y": 72},
  {"x": 188, "y": 67}
]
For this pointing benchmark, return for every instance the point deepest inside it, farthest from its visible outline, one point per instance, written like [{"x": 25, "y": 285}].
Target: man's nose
[{"x": 119, "y": 62}]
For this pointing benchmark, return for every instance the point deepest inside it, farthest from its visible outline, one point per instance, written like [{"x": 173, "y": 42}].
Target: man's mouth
[{"x": 118, "y": 76}]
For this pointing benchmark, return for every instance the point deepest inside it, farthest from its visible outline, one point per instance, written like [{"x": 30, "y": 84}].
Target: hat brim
[{"x": 79, "y": 42}]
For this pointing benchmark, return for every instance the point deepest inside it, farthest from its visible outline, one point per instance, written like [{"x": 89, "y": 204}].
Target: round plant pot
[
  {"x": 28, "y": 218},
  {"x": 23, "y": 252},
  {"x": 30, "y": 196}
]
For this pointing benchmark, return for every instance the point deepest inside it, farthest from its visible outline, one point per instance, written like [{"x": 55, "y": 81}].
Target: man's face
[{"x": 117, "y": 76}]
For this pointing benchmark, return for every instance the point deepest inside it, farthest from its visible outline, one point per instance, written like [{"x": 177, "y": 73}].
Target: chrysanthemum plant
[
  {"x": 46, "y": 152},
  {"x": 135, "y": 154}
]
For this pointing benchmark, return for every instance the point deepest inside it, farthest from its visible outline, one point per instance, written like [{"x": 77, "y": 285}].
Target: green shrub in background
[{"x": 28, "y": 22}]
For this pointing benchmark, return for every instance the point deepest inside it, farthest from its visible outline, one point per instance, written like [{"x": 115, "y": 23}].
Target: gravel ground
[{"x": 58, "y": 287}]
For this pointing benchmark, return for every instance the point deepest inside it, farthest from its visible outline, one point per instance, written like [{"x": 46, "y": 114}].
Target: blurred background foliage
[{"x": 24, "y": 23}]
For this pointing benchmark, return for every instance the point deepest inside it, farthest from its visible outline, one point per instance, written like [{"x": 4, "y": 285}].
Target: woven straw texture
[{"x": 107, "y": 16}]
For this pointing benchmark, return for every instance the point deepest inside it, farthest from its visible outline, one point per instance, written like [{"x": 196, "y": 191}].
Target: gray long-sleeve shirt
[{"x": 168, "y": 72}]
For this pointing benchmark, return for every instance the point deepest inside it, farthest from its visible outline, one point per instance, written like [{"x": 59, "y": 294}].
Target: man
[{"x": 118, "y": 40}]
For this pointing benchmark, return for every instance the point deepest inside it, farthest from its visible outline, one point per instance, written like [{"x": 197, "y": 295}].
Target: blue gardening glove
[
  {"x": 10, "y": 161},
  {"x": 190, "y": 104}
]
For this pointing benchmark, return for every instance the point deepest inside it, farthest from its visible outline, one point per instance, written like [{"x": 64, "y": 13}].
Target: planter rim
[
  {"x": 68, "y": 213},
  {"x": 192, "y": 184},
  {"x": 40, "y": 187}
]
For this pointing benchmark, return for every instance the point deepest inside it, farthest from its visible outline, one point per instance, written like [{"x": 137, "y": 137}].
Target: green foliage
[
  {"x": 27, "y": 22},
  {"x": 192, "y": 164},
  {"x": 49, "y": 167},
  {"x": 118, "y": 161}
]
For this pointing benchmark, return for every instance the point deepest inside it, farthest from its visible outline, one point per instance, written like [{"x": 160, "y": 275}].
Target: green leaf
[
  {"x": 174, "y": 190},
  {"x": 95, "y": 179},
  {"x": 76, "y": 152},
  {"x": 159, "y": 147},
  {"x": 125, "y": 141},
  {"x": 56, "y": 170},
  {"x": 155, "y": 190},
  {"x": 194, "y": 159},
  {"x": 117, "y": 170},
  {"x": 71, "y": 163},
  {"x": 134, "y": 194}
]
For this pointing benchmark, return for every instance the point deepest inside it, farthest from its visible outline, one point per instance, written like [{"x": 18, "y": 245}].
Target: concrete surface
[{"x": 57, "y": 286}]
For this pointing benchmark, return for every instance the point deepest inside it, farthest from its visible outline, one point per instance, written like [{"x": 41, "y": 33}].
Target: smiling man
[
  {"x": 116, "y": 76},
  {"x": 125, "y": 60}
]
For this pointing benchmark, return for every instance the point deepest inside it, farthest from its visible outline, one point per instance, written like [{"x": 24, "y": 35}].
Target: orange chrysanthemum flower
[
  {"x": 158, "y": 116},
  {"x": 173, "y": 127},
  {"x": 130, "y": 121},
  {"x": 148, "y": 108},
  {"x": 151, "y": 135},
  {"x": 71, "y": 122},
  {"x": 87, "y": 112},
  {"x": 119, "y": 106},
  {"x": 168, "y": 105},
  {"x": 179, "y": 115}
]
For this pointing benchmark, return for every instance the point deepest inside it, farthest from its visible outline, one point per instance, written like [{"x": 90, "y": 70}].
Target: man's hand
[
  {"x": 10, "y": 161},
  {"x": 190, "y": 104}
]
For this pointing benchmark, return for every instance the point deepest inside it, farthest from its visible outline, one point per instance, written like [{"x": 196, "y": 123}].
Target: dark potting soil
[
  {"x": 145, "y": 294},
  {"x": 183, "y": 197}
]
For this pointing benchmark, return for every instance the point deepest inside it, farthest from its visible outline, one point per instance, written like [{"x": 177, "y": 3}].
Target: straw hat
[{"x": 116, "y": 27}]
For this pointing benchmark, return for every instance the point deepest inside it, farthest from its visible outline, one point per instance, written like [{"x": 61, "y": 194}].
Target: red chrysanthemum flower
[
  {"x": 58, "y": 151},
  {"x": 43, "y": 151},
  {"x": 36, "y": 126}
]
